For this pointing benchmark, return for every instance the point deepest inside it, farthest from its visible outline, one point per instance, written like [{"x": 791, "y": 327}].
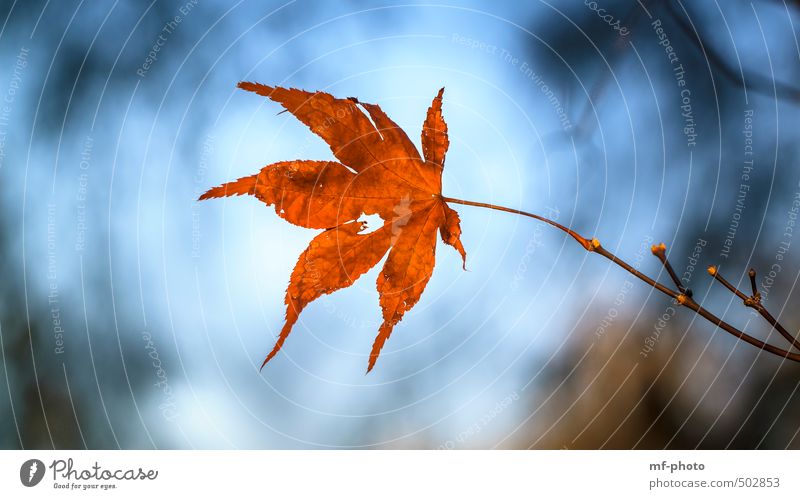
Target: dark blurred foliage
[{"x": 684, "y": 395}]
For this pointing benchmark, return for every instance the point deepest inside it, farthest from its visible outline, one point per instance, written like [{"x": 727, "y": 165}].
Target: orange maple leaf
[{"x": 380, "y": 172}]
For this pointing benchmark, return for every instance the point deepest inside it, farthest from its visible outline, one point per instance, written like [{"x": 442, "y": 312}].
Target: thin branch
[
  {"x": 660, "y": 251},
  {"x": 714, "y": 272},
  {"x": 753, "y": 286},
  {"x": 754, "y": 302},
  {"x": 594, "y": 246}
]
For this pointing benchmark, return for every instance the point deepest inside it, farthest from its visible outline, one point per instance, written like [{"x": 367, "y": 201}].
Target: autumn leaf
[{"x": 380, "y": 172}]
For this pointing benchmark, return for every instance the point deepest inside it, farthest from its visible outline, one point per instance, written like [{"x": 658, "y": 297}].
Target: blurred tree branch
[{"x": 747, "y": 80}]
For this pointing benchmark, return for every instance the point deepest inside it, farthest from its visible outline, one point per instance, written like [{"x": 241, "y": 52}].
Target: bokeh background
[{"x": 134, "y": 317}]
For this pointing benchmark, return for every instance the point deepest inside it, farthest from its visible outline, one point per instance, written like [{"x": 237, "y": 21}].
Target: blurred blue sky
[{"x": 168, "y": 306}]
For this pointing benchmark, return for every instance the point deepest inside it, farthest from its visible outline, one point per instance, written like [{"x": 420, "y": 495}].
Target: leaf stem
[
  {"x": 680, "y": 297},
  {"x": 587, "y": 244}
]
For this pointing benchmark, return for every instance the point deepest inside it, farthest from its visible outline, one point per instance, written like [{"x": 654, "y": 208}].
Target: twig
[
  {"x": 714, "y": 272},
  {"x": 660, "y": 251},
  {"x": 754, "y": 302},
  {"x": 594, "y": 246},
  {"x": 752, "y": 275}
]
